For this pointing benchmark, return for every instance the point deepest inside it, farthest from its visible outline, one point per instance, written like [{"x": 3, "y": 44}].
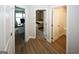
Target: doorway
[
  {"x": 40, "y": 23},
  {"x": 19, "y": 28},
  {"x": 59, "y": 26}
]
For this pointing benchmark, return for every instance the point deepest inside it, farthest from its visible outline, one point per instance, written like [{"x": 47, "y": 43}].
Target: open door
[
  {"x": 41, "y": 24},
  {"x": 59, "y": 22},
  {"x": 9, "y": 26},
  {"x": 7, "y": 41}
]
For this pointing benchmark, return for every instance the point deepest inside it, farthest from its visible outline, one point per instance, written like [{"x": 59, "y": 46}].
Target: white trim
[
  {"x": 32, "y": 37},
  {"x": 67, "y": 31},
  {"x": 26, "y": 40},
  {"x": 7, "y": 44},
  {"x": 10, "y": 48},
  {"x": 58, "y": 37}
]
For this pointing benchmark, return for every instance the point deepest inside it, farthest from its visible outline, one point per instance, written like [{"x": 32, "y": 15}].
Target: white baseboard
[
  {"x": 58, "y": 36},
  {"x": 27, "y": 39},
  {"x": 32, "y": 37}
]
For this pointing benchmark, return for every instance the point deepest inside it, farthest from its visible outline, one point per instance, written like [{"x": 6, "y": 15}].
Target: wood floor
[
  {"x": 19, "y": 42},
  {"x": 41, "y": 46}
]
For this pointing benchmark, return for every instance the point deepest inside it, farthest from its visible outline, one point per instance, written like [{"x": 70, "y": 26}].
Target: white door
[
  {"x": 7, "y": 42},
  {"x": 1, "y": 28},
  {"x": 59, "y": 22},
  {"x": 9, "y": 26}
]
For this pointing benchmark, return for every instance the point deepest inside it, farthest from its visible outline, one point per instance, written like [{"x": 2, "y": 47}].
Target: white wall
[
  {"x": 27, "y": 23},
  {"x": 73, "y": 29}
]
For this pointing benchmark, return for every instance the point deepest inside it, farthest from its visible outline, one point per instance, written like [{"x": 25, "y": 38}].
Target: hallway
[
  {"x": 41, "y": 46},
  {"x": 33, "y": 44}
]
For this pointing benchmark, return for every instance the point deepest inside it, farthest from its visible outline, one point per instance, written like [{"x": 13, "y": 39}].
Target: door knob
[
  {"x": 11, "y": 34},
  {"x": 52, "y": 25}
]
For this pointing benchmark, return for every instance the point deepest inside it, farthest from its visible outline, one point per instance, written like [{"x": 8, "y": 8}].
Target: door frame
[
  {"x": 44, "y": 11},
  {"x": 25, "y": 20},
  {"x": 43, "y": 20}
]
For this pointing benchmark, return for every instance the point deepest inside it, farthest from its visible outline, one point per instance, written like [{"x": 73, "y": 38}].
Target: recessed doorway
[
  {"x": 19, "y": 28},
  {"x": 40, "y": 23}
]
